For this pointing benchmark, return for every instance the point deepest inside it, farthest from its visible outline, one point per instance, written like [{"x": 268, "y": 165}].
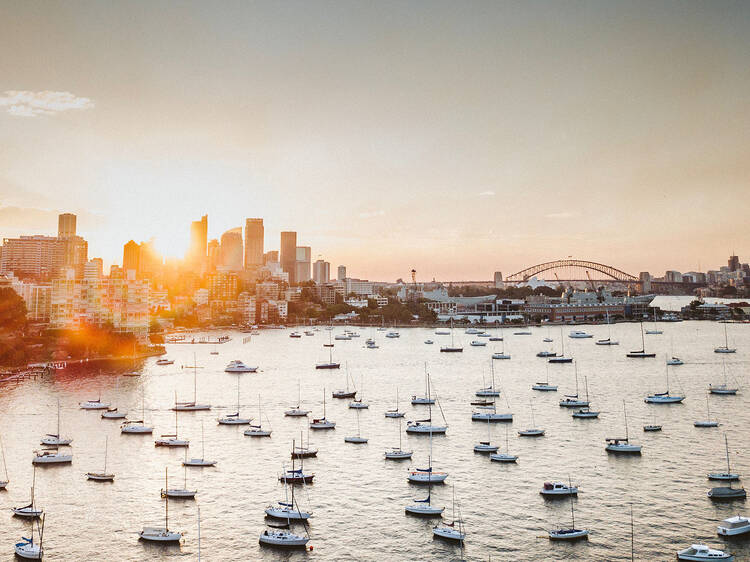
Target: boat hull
[
  {"x": 503, "y": 458},
  {"x": 424, "y": 511}
]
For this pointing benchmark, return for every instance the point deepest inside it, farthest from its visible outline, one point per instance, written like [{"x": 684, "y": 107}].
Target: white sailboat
[
  {"x": 94, "y": 404},
  {"x": 297, "y": 412},
  {"x": 359, "y": 403},
  {"x": 486, "y": 446},
  {"x": 586, "y": 412},
  {"x": 571, "y": 533},
  {"x": 201, "y": 461},
  {"x": 452, "y": 348},
  {"x": 426, "y": 399},
  {"x": 640, "y": 353},
  {"x": 286, "y": 509},
  {"x": 51, "y": 456},
  {"x": 728, "y": 475},
  {"x": 454, "y": 530},
  {"x": 490, "y": 414},
  {"x": 102, "y": 476},
  {"x": 161, "y": 534},
  {"x": 572, "y": 400},
  {"x": 27, "y": 548},
  {"x": 609, "y": 340},
  {"x": 725, "y": 348},
  {"x": 545, "y": 386},
  {"x": 55, "y": 439},
  {"x": 323, "y": 423},
  {"x": 664, "y": 397},
  {"x": 395, "y": 413},
  {"x": 533, "y": 431},
  {"x": 724, "y": 387},
  {"x": 622, "y": 445},
  {"x": 330, "y": 364},
  {"x": 173, "y": 440},
  {"x": 114, "y": 414},
  {"x": 561, "y": 358},
  {"x": 500, "y": 354},
  {"x": 506, "y": 456},
  {"x": 257, "y": 430},
  {"x": 398, "y": 453},
  {"x": 194, "y": 405},
  {"x": 29, "y": 510},
  {"x": 656, "y": 331},
  {"x": 489, "y": 390},
  {"x": 707, "y": 422},
  {"x": 138, "y": 426},
  {"x": 426, "y": 425},
  {"x": 358, "y": 439},
  {"x": 427, "y": 475},
  {"x": 235, "y": 419},
  {"x": 182, "y": 493}
]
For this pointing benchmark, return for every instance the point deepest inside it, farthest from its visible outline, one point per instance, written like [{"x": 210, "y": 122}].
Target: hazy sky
[{"x": 458, "y": 138}]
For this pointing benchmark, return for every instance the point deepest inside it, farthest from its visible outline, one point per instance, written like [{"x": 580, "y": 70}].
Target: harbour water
[{"x": 358, "y": 498}]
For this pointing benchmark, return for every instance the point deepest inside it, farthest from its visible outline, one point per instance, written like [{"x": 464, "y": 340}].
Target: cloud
[
  {"x": 487, "y": 194},
  {"x": 371, "y": 214},
  {"x": 22, "y": 103},
  {"x": 561, "y": 215}
]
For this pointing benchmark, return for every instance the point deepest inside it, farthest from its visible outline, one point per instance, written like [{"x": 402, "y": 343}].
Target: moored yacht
[
  {"x": 557, "y": 489},
  {"x": 579, "y": 334},
  {"x": 622, "y": 445},
  {"x": 238, "y": 366},
  {"x": 94, "y": 405},
  {"x": 701, "y": 553},
  {"x": 732, "y": 526}
]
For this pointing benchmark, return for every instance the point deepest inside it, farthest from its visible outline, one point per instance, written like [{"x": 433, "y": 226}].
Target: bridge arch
[{"x": 607, "y": 270}]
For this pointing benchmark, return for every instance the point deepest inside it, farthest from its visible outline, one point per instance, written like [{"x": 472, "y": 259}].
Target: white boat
[
  {"x": 571, "y": 533},
  {"x": 426, "y": 399},
  {"x": 358, "y": 404},
  {"x": 161, "y": 534},
  {"x": 296, "y": 475},
  {"x": 579, "y": 334},
  {"x": 533, "y": 431},
  {"x": 285, "y": 509},
  {"x": 51, "y": 456},
  {"x": 54, "y": 439},
  {"x": 29, "y": 511},
  {"x": 424, "y": 508},
  {"x": 558, "y": 489},
  {"x": 442, "y": 332},
  {"x": 452, "y": 348},
  {"x": 114, "y": 414},
  {"x": 295, "y": 335},
  {"x": 27, "y": 548},
  {"x": 724, "y": 387},
  {"x": 572, "y": 400},
  {"x": 323, "y": 423},
  {"x": 728, "y": 475},
  {"x": 428, "y": 342},
  {"x": 640, "y": 353},
  {"x": 297, "y": 412},
  {"x": 622, "y": 445},
  {"x": 733, "y": 526},
  {"x": 472, "y": 331},
  {"x": 330, "y": 364},
  {"x": 235, "y": 419},
  {"x": 238, "y": 366},
  {"x": 664, "y": 397},
  {"x": 489, "y": 390},
  {"x": 94, "y": 404},
  {"x": 701, "y": 553},
  {"x": 426, "y": 475},
  {"x": 486, "y": 446},
  {"x": 586, "y": 412},
  {"x": 608, "y": 340},
  {"x": 201, "y": 461},
  {"x": 4, "y": 483},
  {"x": 545, "y": 386},
  {"x": 655, "y": 331},
  {"x": 165, "y": 361},
  {"x": 398, "y": 453},
  {"x": 102, "y": 476},
  {"x": 171, "y": 440},
  {"x": 181, "y": 493},
  {"x": 395, "y": 413},
  {"x": 357, "y": 439},
  {"x": 282, "y": 539},
  {"x": 478, "y": 343},
  {"x": 137, "y": 426},
  {"x": 675, "y": 361},
  {"x": 342, "y": 337},
  {"x": 707, "y": 422},
  {"x": 426, "y": 425},
  {"x": 454, "y": 530},
  {"x": 393, "y": 334},
  {"x": 506, "y": 456},
  {"x": 257, "y": 430},
  {"x": 725, "y": 348},
  {"x": 193, "y": 406},
  {"x": 491, "y": 415}
]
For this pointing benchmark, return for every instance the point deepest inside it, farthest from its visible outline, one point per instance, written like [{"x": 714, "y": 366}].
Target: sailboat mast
[
  {"x": 106, "y": 446},
  {"x": 195, "y": 379},
  {"x": 166, "y": 499},
  {"x": 632, "y": 535},
  {"x": 203, "y": 444},
  {"x": 726, "y": 445},
  {"x": 5, "y": 466},
  {"x": 625, "y": 414}
]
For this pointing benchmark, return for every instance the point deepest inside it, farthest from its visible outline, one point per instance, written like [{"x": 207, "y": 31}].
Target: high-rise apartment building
[
  {"x": 34, "y": 256},
  {"x": 288, "y": 255},
  {"x": 321, "y": 272},
  {"x": 304, "y": 264},
  {"x": 198, "y": 243},
  {"x": 231, "y": 250},
  {"x": 75, "y": 254},
  {"x": 254, "y": 242},
  {"x": 341, "y": 273},
  {"x": 66, "y": 225}
]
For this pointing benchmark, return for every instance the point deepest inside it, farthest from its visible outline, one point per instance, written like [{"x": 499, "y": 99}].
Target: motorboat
[
  {"x": 560, "y": 359},
  {"x": 501, "y": 355},
  {"x": 342, "y": 337},
  {"x": 373, "y": 345},
  {"x": 607, "y": 341},
  {"x": 358, "y": 404},
  {"x": 558, "y": 489},
  {"x": 393, "y": 334},
  {"x": 651, "y": 427},
  {"x": 238, "y": 366},
  {"x": 282, "y": 539},
  {"x": 726, "y": 493},
  {"x": 700, "y": 552},
  {"x": 442, "y": 332},
  {"x": 732, "y": 526},
  {"x": 472, "y": 331},
  {"x": 309, "y": 333},
  {"x": 428, "y": 342},
  {"x": 165, "y": 361},
  {"x": 295, "y": 335},
  {"x": 579, "y": 334},
  {"x": 522, "y": 333},
  {"x": 674, "y": 361}
]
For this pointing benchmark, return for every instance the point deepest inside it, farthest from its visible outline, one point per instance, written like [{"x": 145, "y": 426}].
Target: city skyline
[{"x": 455, "y": 142}]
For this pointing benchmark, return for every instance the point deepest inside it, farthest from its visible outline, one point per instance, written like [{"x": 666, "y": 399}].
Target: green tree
[{"x": 12, "y": 311}]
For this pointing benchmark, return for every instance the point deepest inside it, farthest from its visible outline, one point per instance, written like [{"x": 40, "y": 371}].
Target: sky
[{"x": 455, "y": 138}]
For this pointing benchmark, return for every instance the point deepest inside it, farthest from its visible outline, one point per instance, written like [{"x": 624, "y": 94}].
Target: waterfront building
[
  {"x": 254, "y": 243},
  {"x": 37, "y": 297},
  {"x": 288, "y": 255}
]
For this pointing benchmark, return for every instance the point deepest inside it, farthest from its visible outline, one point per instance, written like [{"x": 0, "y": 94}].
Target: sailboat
[
  {"x": 29, "y": 510},
  {"x": 191, "y": 406},
  {"x": 27, "y": 548},
  {"x": 296, "y": 475},
  {"x": 55, "y": 439},
  {"x": 285, "y": 509},
  {"x": 490, "y": 414},
  {"x": 323, "y": 423},
  {"x": 398, "y": 454},
  {"x": 345, "y": 393},
  {"x": 182, "y": 493},
  {"x": 4, "y": 483},
  {"x": 570, "y": 534},
  {"x": 622, "y": 445},
  {"x": 707, "y": 422},
  {"x": 425, "y": 425},
  {"x": 728, "y": 475},
  {"x": 395, "y": 413},
  {"x": 356, "y": 438},
  {"x": 664, "y": 397},
  {"x": 653, "y": 426},
  {"x": 424, "y": 507},
  {"x": 331, "y": 364},
  {"x": 102, "y": 476},
  {"x": 586, "y": 412},
  {"x": 297, "y": 412},
  {"x": 533, "y": 431},
  {"x": 426, "y": 475},
  {"x": 451, "y": 531},
  {"x": 138, "y": 426},
  {"x": 94, "y": 404},
  {"x": 201, "y": 461},
  {"x": 426, "y": 399},
  {"x": 489, "y": 390},
  {"x": 452, "y": 348},
  {"x": 50, "y": 455},
  {"x": 280, "y": 535},
  {"x": 545, "y": 386},
  {"x": 235, "y": 419},
  {"x": 171, "y": 440},
  {"x": 655, "y": 331},
  {"x": 724, "y": 387},
  {"x": 161, "y": 534},
  {"x": 359, "y": 403},
  {"x": 560, "y": 358},
  {"x": 572, "y": 400},
  {"x": 303, "y": 452},
  {"x": 506, "y": 456},
  {"x": 641, "y": 353},
  {"x": 725, "y": 348},
  {"x": 500, "y": 354},
  {"x": 609, "y": 340},
  {"x": 257, "y": 430},
  {"x": 114, "y": 414},
  {"x": 486, "y": 446}
]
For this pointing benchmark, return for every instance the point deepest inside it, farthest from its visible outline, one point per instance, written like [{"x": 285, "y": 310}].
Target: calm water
[{"x": 358, "y": 498}]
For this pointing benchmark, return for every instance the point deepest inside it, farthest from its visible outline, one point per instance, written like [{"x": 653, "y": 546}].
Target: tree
[{"x": 12, "y": 311}]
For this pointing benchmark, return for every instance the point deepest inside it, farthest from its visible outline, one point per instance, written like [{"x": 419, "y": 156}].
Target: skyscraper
[
  {"x": 66, "y": 225},
  {"x": 733, "y": 263},
  {"x": 288, "y": 255},
  {"x": 213, "y": 255},
  {"x": 131, "y": 254},
  {"x": 321, "y": 272},
  {"x": 341, "y": 273},
  {"x": 198, "y": 243},
  {"x": 254, "y": 246},
  {"x": 231, "y": 249},
  {"x": 304, "y": 257}
]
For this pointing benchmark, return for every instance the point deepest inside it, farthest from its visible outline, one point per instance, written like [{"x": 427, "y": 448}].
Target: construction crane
[{"x": 591, "y": 282}]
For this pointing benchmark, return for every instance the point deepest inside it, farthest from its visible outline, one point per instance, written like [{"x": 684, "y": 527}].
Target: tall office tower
[
  {"x": 75, "y": 254},
  {"x": 288, "y": 255},
  {"x": 231, "y": 249},
  {"x": 341, "y": 273},
  {"x": 213, "y": 255},
  {"x": 198, "y": 243},
  {"x": 321, "y": 272},
  {"x": 254, "y": 242},
  {"x": 304, "y": 259},
  {"x": 66, "y": 225},
  {"x": 733, "y": 263},
  {"x": 131, "y": 256}
]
